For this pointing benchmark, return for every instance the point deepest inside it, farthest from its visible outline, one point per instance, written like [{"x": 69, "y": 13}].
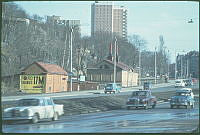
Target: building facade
[
  {"x": 188, "y": 65},
  {"x": 60, "y": 28},
  {"x": 41, "y": 77},
  {"x": 103, "y": 72},
  {"x": 108, "y": 18}
]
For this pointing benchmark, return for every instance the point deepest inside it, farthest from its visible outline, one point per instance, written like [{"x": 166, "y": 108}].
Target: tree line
[{"x": 26, "y": 39}]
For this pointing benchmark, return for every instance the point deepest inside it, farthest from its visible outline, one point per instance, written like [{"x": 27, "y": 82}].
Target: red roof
[{"x": 50, "y": 68}]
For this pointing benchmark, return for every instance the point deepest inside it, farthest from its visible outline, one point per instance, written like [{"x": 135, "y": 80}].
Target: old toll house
[
  {"x": 102, "y": 72},
  {"x": 40, "y": 77}
]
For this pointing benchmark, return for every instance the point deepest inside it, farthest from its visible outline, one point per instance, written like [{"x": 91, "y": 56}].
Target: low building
[
  {"x": 41, "y": 77},
  {"x": 103, "y": 72}
]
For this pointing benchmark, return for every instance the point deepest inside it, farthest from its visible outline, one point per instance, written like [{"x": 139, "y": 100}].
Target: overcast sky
[{"x": 147, "y": 19}]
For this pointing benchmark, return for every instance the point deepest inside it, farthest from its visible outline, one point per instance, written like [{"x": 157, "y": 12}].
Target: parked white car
[
  {"x": 34, "y": 109},
  {"x": 179, "y": 83}
]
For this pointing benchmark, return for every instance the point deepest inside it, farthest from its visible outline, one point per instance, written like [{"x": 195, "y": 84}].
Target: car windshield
[
  {"x": 178, "y": 81},
  {"x": 139, "y": 93},
  {"x": 28, "y": 102},
  {"x": 109, "y": 85}
]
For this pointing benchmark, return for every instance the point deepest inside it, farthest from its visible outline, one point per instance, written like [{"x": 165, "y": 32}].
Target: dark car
[
  {"x": 141, "y": 98},
  {"x": 188, "y": 82},
  {"x": 147, "y": 86}
]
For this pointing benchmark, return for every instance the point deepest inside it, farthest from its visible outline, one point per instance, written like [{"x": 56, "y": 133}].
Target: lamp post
[
  {"x": 155, "y": 66},
  {"x": 115, "y": 62},
  {"x": 168, "y": 64},
  {"x": 71, "y": 58},
  {"x": 139, "y": 66}
]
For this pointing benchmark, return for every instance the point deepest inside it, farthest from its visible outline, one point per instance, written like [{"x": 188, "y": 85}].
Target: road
[
  {"x": 162, "y": 119},
  {"x": 80, "y": 94},
  {"x": 158, "y": 120}
]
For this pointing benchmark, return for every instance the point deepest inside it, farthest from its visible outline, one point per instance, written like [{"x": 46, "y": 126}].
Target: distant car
[
  {"x": 112, "y": 88},
  {"x": 179, "y": 83},
  {"x": 147, "y": 86},
  {"x": 189, "y": 90},
  {"x": 182, "y": 98},
  {"x": 141, "y": 98},
  {"x": 188, "y": 82}
]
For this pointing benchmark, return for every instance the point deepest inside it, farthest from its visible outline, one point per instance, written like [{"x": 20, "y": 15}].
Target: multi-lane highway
[
  {"x": 162, "y": 119},
  {"x": 158, "y": 120}
]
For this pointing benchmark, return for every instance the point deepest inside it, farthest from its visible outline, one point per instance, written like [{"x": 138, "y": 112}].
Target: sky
[{"x": 149, "y": 19}]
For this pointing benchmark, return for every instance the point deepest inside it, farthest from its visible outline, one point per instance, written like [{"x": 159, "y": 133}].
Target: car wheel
[
  {"x": 171, "y": 106},
  {"x": 35, "y": 119},
  {"x": 55, "y": 117},
  {"x": 192, "y": 106},
  {"x": 153, "y": 106}
]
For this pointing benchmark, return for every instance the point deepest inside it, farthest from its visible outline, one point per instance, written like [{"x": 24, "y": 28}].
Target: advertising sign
[{"x": 32, "y": 83}]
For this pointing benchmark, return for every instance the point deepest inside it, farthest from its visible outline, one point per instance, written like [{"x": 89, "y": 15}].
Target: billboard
[{"x": 32, "y": 83}]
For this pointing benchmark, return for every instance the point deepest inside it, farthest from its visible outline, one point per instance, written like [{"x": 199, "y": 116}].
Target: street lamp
[
  {"x": 139, "y": 66},
  {"x": 155, "y": 66},
  {"x": 168, "y": 65},
  {"x": 115, "y": 62},
  {"x": 71, "y": 58}
]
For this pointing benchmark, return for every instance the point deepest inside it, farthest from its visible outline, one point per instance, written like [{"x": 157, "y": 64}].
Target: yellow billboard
[{"x": 32, "y": 83}]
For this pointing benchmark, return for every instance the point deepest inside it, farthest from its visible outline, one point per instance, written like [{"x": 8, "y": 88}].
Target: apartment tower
[{"x": 109, "y": 18}]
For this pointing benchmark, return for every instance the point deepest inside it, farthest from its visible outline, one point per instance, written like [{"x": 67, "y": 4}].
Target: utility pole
[
  {"x": 168, "y": 64},
  {"x": 139, "y": 66},
  {"x": 155, "y": 67},
  {"x": 63, "y": 62},
  {"x": 71, "y": 58},
  {"x": 181, "y": 67},
  {"x": 115, "y": 62},
  {"x": 78, "y": 69},
  {"x": 175, "y": 66},
  {"x": 187, "y": 68}
]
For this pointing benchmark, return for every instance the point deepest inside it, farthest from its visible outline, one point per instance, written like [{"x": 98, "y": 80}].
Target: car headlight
[{"x": 25, "y": 112}]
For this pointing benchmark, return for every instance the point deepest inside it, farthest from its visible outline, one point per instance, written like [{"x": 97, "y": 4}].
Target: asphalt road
[
  {"x": 158, "y": 120},
  {"x": 162, "y": 119},
  {"x": 81, "y": 94}
]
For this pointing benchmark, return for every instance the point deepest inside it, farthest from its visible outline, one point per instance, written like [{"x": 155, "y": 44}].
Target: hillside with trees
[{"x": 26, "y": 39}]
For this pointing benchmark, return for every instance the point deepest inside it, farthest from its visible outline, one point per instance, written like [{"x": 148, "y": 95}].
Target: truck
[{"x": 33, "y": 109}]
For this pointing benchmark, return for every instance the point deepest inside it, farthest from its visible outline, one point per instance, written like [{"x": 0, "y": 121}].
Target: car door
[
  {"x": 42, "y": 109},
  {"x": 49, "y": 108}
]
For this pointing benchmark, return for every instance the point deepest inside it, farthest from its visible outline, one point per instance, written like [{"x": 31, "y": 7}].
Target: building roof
[
  {"x": 120, "y": 65},
  {"x": 50, "y": 68}
]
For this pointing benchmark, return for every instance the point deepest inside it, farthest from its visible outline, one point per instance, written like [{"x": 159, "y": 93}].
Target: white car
[
  {"x": 179, "y": 83},
  {"x": 33, "y": 109},
  {"x": 190, "y": 91}
]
